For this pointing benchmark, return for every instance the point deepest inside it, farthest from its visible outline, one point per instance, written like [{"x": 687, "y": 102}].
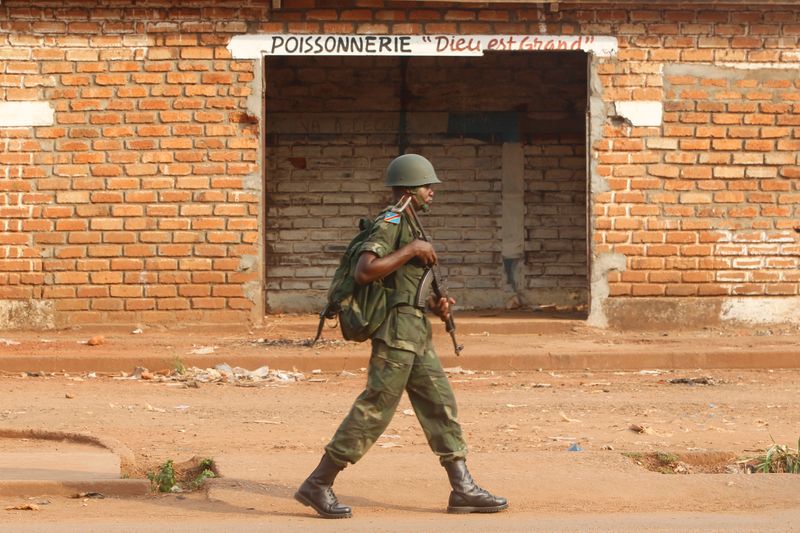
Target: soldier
[{"x": 402, "y": 358}]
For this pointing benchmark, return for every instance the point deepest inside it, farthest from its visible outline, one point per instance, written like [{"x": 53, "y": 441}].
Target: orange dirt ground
[{"x": 519, "y": 425}]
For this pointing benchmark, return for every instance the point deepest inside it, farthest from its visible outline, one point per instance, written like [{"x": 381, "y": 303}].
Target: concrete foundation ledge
[
  {"x": 127, "y": 461},
  {"x": 631, "y": 314},
  {"x": 22, "y": 314},
  {"x": 109, "y": 488}
]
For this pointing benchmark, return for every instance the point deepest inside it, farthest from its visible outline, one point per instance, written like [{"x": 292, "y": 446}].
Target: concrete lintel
[
  {"x": 255, "y": 45},
  {"x": 732, "y": 71}
]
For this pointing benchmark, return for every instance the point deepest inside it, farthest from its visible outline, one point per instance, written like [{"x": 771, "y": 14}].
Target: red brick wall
[
  {"x": 133, "y": 206},
  {"x": 714, "y": 213},
  {"x": 141, "y": 202}
]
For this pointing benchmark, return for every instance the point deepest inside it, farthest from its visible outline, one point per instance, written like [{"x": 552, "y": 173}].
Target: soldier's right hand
[{"x": 424, "y": 251}]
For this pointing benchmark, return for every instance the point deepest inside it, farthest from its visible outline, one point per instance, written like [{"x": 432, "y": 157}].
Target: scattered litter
[
  {"x": 154, "y": 409},
  {"x": 276, "y": 422},
  {"x": 482, "y": 334},
  {"x": 681, "y": 468},
  {"x": 705, "y": 380},
  {"x": 607, "y": 447},
  {"x": 181, "y": 407},
  {"x": 203, "y": 350},
  {"x": 95, "y": 495},
  {"x": 565, "y": 418},
  {"x": 223, "y": 372},
  {"x": 646, "y": 430},
  {"x": 316, "y": 371},
  {"x": 458, "y": 370},
  {"x": 575, "y": 448},
  {"x": 137, "y": 331},
  {"x": 97, "y": 340},
  {"x": 408, "y": 412},
  {"x": 333, "y": 343},
  {"x": 651, "y": 372},
  {"x": 23, "y": 507},
  {"x": 512, "y": 405},
  {"x": 317, "y": 380},
  {"x": 641, "y": 428},
  {"x": 346, "y": 374},
  {"x": 390, "y": 445},
  {"x": 562, "y": 438},
  {"x": 9, "y": 342}
]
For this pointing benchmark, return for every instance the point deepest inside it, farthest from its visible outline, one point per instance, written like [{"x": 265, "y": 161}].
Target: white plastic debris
[{"x": 203, "y": 350}]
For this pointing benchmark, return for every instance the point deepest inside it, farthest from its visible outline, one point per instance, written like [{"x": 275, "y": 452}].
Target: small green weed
[
  {"x": 178, "y": 366},
  {"x": 667, "y": 458},
  {"x": 779, "y": 459},
  {"x": 206, "y": 468},
  {"x": 164, "y": 477},
  {"x": 189, "y": 475}
]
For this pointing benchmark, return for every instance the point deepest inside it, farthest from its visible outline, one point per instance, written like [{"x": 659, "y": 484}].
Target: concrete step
[{"x": 34, "y": 467}]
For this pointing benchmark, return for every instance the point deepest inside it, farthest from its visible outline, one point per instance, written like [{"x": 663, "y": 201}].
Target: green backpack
[{"x": 360, "y": 309}]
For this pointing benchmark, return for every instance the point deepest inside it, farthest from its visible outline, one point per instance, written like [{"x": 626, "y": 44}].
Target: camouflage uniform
[{"x": 403, "y": 358}]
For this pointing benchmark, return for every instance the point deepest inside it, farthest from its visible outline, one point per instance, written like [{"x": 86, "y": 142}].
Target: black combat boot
[
  {"x": 316, "y": 491},
  {"x": 467, "y": 497}
]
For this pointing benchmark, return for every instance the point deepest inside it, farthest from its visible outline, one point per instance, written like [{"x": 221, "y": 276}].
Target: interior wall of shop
[{"x": 334, "y": 123}]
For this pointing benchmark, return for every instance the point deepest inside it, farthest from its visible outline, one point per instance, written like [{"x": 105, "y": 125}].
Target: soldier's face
[{"x": 424, "y": 196}]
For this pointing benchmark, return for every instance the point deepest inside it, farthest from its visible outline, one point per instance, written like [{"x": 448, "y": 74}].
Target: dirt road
[{"x": 266, "y": 436}]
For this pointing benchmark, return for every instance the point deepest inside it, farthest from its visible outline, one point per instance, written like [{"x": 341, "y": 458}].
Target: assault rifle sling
[{"x": 433, "y": 278}]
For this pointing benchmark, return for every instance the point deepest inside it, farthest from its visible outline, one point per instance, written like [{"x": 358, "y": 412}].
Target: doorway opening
[{"x": 506, "y": 133}]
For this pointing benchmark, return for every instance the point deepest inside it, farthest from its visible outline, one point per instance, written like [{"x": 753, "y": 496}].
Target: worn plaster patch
[
  {"x": 27, "y": 314},
  {"x": 761, "y": 310},
  {"x": 641, "y": 113},
  {"x": 25, "y": 114},
  {"x": 601, "y": 266}
]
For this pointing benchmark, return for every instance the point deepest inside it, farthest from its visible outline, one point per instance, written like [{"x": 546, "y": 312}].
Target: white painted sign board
[{"x": 254, "y": 46}]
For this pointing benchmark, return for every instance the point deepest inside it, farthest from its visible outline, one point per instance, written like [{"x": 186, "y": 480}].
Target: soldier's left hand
[{"x": 441, "y": 307}]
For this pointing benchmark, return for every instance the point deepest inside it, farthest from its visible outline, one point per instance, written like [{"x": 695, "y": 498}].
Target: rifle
[{"x": 434, "y": 280}]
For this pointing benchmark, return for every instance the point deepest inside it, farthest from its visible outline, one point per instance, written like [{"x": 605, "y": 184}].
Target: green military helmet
[{"x": 410, "y": 170}]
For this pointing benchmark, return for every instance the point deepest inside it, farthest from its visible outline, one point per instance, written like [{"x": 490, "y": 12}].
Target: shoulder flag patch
[{"x": 392, "y": 218}]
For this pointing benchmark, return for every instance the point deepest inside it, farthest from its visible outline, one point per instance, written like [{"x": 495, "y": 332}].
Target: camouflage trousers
[{"x": 391, "y": 371}]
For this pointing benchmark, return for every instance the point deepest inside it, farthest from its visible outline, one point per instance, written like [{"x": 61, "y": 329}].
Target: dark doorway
[{"x": 506, "y": 132}]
